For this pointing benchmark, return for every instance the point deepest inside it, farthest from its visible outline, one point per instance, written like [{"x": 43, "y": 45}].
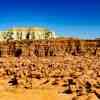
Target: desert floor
[
  {"x": 87, "y": 70},
  {"x": 37, "y": 93}
]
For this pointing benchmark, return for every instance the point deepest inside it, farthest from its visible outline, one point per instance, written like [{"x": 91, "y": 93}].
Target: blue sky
[{"x": 66, "y": 17}]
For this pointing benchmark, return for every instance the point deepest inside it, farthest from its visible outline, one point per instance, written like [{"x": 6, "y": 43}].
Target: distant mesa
[{"x": 21, "y": 33}]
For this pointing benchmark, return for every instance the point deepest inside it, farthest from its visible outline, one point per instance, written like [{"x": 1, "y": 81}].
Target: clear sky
[{"x": 77, "y": 18}]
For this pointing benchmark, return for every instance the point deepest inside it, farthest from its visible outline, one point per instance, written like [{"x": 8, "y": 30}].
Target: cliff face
[
  {"x": 21, "y": 33},
  {"x": 51, "y": 47}
]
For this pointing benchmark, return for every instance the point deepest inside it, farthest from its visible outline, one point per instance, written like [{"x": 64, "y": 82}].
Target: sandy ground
[
  {"x": 37, "y": 93},
  {"x": 49, "y": 91}
]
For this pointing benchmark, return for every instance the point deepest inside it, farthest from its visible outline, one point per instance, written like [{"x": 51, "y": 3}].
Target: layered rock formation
[
  {"x": 51, "y": 47},
  {"x": 21, "y": 33}
]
